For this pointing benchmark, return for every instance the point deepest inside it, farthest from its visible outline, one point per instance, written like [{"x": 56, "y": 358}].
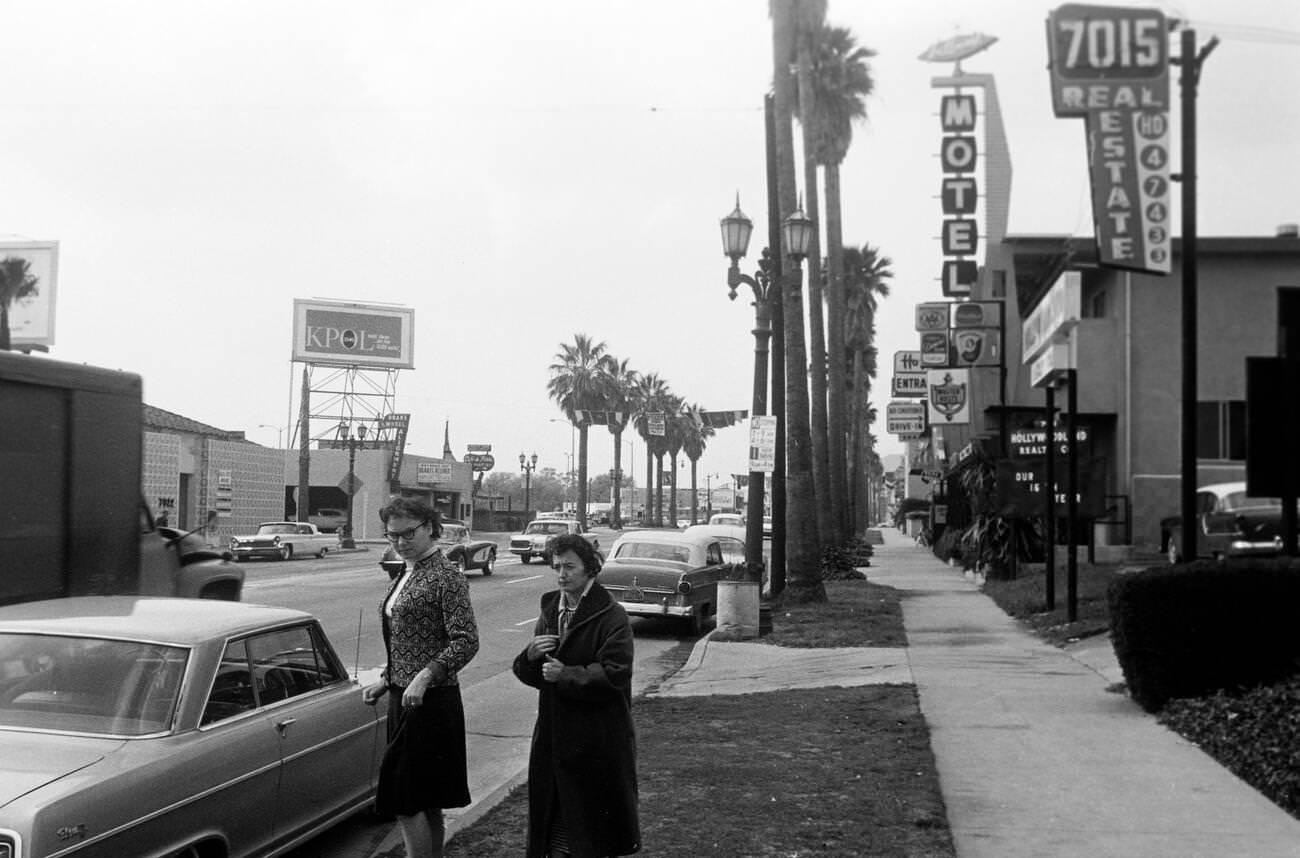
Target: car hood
[{"x": 33, "y": 760}]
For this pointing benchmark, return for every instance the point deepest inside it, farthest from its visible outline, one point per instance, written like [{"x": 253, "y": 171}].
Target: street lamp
[
  {"x": 279, "y": 433},
  {"x": 353, "y": 442},
  {"x": 526, "y": 467},
  {"x": 797, "y": 233}
]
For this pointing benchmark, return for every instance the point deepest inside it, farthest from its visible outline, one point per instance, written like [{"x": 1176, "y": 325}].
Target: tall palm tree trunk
[
  {"x": 659, "y": 489},
  {"x": 647, "y": 513},
  {"x": 582, "y": 474},
  {"x": 4, "y": 328},
  {"x": 816, "y": 326},
  {"x": 837, "y": 312},
  {"x": 672, "y": 494},
  {"x": 803, "y": 561}
]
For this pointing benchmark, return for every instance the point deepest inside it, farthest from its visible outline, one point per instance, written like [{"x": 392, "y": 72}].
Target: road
[{"x": 344, "y": 590}]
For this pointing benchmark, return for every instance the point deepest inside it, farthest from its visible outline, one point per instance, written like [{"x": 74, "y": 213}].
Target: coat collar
[{"x": 596, "y": 602}]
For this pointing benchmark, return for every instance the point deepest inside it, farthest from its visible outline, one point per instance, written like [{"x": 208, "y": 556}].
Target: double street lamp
[
  {"x": 796, "y": 234},
  {"x": 526, "y": 467},
  {"x": 353, "y": 441}
]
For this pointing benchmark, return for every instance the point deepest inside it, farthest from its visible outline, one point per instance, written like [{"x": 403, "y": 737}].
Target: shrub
[
  {"x": 949, "y": 544},
  {"x": 1256, "y": 735},
  {"x": 838, "y": 565},
  {"x": 1194, "y": 629}
]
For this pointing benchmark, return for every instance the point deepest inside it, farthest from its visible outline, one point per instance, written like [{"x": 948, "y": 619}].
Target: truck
[{"x": 73, "y": 520}]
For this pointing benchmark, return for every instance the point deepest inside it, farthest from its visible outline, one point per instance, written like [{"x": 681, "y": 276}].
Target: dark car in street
[
  {"x": 667, "y": 573},
  {"x": 1229, "y": 523},
  {"x": 466, "y": 552}
]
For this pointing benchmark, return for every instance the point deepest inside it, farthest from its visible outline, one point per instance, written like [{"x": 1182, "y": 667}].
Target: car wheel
[
  {"x": 188, "y": 852},
  {"x": 1171, "y": 549},
  {"x": 322, "y": 552},
  {"x": 286, "y": 552},
  {"x": 239, "y": 558},
  {"x": 547, "y": 559},
  {"x": 525, "y": 559},
  {"x": 491, "y": 565}
]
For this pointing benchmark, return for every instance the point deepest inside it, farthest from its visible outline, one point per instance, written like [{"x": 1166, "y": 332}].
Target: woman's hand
[
  {"x": 542, "y": 645},
  {"x": 551, "y": 669},
  {"x": 413, "y": 696},
  {"x": 373, "y": 693}
]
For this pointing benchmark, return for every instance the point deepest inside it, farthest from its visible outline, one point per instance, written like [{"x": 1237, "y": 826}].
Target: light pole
[
  {"x": 279, "y": 433},
  {"x": 708, "y": 497},
  {"x": 353, "y": 441},
  {"x": 796, "y": 233},
  {"x": 526, "y": 467}
]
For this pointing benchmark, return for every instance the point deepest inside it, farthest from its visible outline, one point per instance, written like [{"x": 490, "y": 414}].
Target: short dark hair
[
  {"x": 575, "y": 542},
  {"x": 417, "y": 508}
]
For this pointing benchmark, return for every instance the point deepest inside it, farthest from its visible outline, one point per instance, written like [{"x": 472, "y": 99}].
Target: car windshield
[
  {"x": 653, "y": 551},
  {"x": 547, "y": 527},
  {"x": 452, "y": 534},
  {"x": 277, "y": 528},
  {"x": 88, "y": 685}
]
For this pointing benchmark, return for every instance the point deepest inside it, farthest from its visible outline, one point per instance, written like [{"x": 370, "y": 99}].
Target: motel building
[{"x": 1124, "y": 336}]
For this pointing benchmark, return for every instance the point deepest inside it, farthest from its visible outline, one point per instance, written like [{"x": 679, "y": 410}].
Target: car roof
[
  {"x": 184, "y": 622},
  {"x": 667, "y": 537},
  {"x": 1223, "y": 488},
  {"x": 733, "y": 531}
]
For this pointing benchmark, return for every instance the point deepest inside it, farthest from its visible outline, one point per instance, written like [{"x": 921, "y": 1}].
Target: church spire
[{"x": 446, "y": 441}]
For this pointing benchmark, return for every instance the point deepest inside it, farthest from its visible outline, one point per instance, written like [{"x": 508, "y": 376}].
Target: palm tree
[
  {"x": 810, "y": 18},
  {"x": 841, "y": 80},
  {"x": 695, "y": 437},
  {"x": 575, "y": 385},
  {"x": 802, "y": 554},
  {"x": 674, "y": 440},
  {"x": 16, "y": 283},
  {"x": 866, "y": 277},
  {"x": 648, "y": 397},
  {"x": 620, "y": 386}
]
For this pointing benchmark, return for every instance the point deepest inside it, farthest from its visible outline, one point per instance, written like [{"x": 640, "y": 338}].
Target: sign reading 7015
[{"x": 1107, "y": 42}]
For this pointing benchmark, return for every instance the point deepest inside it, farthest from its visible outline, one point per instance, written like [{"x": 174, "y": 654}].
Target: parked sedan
[
  {"x": 134, "y": 726},
  {"x": 465, "y": 551},
  {"x": 656, "y": 573},
  {"x": 1228, "y": 524}
]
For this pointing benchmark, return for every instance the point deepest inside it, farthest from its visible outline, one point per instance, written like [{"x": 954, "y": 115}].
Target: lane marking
[
  {"x": 526, "y": 622},
  {"x": 520, "y": 580}
]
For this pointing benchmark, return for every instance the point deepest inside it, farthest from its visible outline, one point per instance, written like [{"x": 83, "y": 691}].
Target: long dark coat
[{"x": 583, "y": 754}]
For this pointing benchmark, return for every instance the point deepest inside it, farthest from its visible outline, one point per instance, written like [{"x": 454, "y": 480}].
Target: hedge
[{"x": 1190, "y": 630}]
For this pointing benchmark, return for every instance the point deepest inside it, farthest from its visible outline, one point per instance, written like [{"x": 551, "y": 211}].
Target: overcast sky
[{"x": 518, "y": 172}]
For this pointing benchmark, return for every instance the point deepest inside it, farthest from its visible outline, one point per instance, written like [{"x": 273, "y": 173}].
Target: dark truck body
[{"x": 72, "y": 521}]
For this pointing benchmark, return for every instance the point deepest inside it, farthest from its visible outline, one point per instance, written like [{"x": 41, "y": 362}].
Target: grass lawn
[
  {"x": 1025, "y": 598},
  {"x": 822, "y": 772}
]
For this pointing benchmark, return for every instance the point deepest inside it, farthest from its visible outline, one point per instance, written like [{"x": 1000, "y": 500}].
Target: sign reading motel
[{"x": 344, "y": 334}]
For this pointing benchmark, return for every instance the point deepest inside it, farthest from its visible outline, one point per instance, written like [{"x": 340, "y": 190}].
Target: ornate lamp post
[
  {"x": 526, "y": 467},
  {"x": 797, "y": 233},
  {"x": 353, "y": 441}
]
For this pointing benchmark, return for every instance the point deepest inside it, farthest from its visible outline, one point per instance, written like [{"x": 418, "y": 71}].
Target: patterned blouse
[{"x": 432, "y": 622}]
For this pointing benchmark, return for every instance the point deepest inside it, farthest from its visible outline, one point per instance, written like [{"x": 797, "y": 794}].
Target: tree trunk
[
  {"x": 803, "y": 561},
  {"x": 816, "y": 319},
  {"x": 649, "y": 485},
  {"x": 695, "y": 494},
  {"x": 659, "y": 489},
  {"x": 672, "y": 495},
  {"x": 4, "y": 327},
  {"x": 837, "y": 312}
]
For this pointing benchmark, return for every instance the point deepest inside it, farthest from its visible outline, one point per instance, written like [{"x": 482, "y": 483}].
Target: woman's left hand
[
  {"x": 413, "y": 695},
  {"x": 551, "y": 669}
]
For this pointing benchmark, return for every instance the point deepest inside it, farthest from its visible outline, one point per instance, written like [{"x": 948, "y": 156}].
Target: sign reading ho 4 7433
[{"x": 1110, "y": 65}]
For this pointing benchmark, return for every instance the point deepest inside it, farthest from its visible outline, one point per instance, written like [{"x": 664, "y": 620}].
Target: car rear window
[{"x": 653, "y": 551}]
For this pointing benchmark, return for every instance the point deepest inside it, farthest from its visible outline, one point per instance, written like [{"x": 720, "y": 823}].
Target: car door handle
[{"x": 283, "y": 726}]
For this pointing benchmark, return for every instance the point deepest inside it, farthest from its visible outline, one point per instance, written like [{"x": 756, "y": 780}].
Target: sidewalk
[{"x": 1035, "y": 757}]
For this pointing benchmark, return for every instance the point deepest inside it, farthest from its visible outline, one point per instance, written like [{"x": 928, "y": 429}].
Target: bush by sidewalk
[{"x": 825, "y": 772}]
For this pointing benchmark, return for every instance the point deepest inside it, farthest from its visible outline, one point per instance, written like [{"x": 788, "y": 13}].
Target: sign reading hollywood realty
[
  {"x": 344, "y": 334},
  {"x": 1110, "y": 65}
]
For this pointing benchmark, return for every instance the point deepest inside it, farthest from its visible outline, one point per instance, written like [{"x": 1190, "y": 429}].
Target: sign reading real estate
[{"x": 1110, "y": 65}]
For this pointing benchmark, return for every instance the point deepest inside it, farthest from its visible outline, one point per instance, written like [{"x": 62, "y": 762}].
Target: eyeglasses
[{"x": 408, "y": 535}]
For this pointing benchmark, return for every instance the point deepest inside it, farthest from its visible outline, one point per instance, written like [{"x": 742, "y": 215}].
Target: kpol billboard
[
  {"x": 31, "y": 316},
  {"x": 344, "y": 334}
]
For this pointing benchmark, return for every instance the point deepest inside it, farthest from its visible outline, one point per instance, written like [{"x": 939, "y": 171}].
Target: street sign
[
  {"x": 909, "y": 384},
  {"x": 350, "y": 484},
  {"x": 479, "y": 448},
  {"x": 762, "y": 444},
  {"x": 909, "y": 361},
  {"x": 480, "y": 461},
  {"x": 905, "y": 418}
]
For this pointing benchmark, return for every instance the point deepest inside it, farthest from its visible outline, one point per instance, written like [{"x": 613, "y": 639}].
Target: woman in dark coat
[{"x": 582, "y": 790}]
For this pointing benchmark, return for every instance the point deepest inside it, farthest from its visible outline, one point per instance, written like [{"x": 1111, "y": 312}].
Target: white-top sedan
[{"x": 135, "y": 726}]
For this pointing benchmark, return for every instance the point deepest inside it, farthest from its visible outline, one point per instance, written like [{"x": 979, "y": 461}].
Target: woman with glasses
[{"x": 430, "y": 634}]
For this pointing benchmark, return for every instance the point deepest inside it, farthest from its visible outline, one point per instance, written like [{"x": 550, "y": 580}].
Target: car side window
[
  {"x": 232, "y": 690},
  {"x": 289, "y": 662},
  {"x": 713, "y": 555},
  {"x": 1207, "y": 502},
  {"x": 733, "y": 550}
]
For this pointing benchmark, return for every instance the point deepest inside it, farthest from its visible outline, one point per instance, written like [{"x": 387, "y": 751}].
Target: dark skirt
[{"x": 424, "y": 766}]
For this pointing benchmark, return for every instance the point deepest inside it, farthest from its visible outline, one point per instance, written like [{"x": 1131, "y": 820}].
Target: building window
[
  {"x": 1096, "y": 305},
  {"x": 1221, "y": 430}
]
